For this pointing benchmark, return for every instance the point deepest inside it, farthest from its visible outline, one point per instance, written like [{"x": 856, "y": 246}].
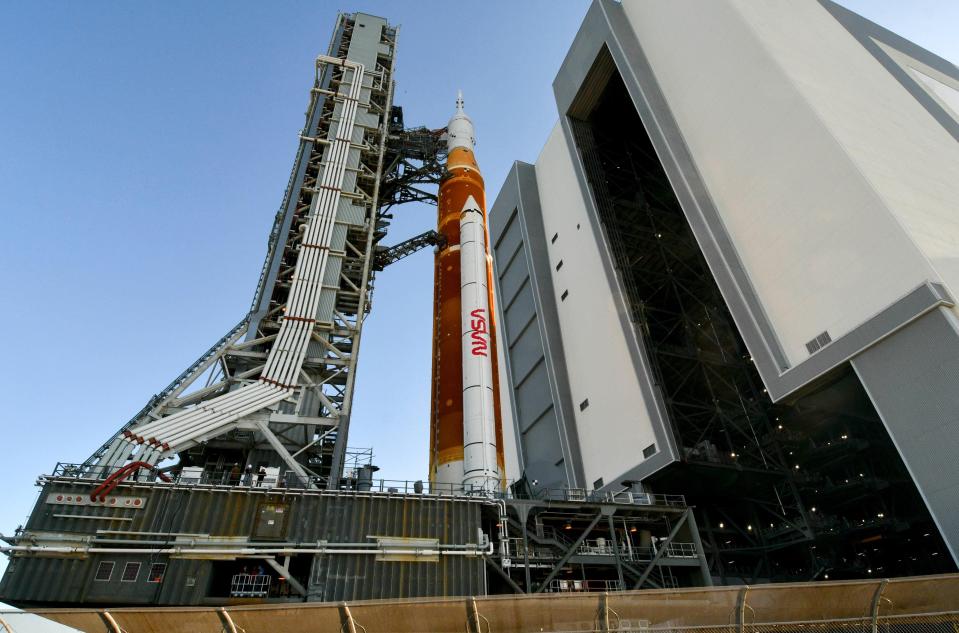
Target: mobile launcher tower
[{"x": 236, "y": 484}]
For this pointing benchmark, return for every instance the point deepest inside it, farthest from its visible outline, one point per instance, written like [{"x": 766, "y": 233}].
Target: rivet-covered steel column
[{"x": 466, "y": 449}]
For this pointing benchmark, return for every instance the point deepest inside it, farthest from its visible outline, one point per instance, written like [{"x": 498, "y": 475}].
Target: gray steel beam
[
  {"x": 282, "y": 452},
  {"x": 619, "y": 561},
  {"x": 701, "y": 554},
  {"x": 502, "y": 573},
  {"x": 662, "y": 550},
  {"x": 285, "y": 573},
  {"x": 569, "y": 553}
]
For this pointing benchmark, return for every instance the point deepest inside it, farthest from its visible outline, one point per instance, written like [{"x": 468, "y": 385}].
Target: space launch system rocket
[{"x": 466, "y": 451}]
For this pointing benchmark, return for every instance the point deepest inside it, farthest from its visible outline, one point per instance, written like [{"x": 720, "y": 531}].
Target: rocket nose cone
[
  {"x": 471, "y": 205},
  {"x": 459, "y": 101}
]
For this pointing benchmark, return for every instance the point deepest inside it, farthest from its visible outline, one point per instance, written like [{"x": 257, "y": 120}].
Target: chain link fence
[{"x": 928, "y": 604}]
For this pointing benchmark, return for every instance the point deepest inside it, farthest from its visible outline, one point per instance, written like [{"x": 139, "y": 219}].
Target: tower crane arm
[{"x": 392, "y": 254}]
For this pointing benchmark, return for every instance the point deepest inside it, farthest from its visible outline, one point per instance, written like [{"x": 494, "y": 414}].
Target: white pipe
[
  {"x": 117, "y": 445},
  {"x": 254, "y": 398},
  {"x": 289, "y": 349},
  {"x": 177, "y": 551},
  {"x": 504, "y": 531},
  {"x": 85, "y": 542},
  {"x": 219, "y": 411}
]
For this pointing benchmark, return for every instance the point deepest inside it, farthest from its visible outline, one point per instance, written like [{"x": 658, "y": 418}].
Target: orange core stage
[{"x": 462, "y": 182}]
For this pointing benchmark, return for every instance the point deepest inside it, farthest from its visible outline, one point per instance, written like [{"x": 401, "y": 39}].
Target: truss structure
[
  {"x": 281, "y": 381},
  {"x": 573, "y": 540},
  {"x": 387, "y": 256},
  {"x": 415, "y": 163}
]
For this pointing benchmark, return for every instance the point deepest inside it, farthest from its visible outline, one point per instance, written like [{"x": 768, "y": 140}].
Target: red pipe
[{"x": 110, "y": 483}]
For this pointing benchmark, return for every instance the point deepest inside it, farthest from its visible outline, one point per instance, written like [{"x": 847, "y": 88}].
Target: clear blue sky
[{"x": 144, "y": 149}]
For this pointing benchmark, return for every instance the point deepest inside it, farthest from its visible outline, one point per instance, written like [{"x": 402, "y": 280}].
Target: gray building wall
[
  {"x": 912, "y": 378},
  {"x": 536, "y": 371},
  {"x": 903, "y": 353}
]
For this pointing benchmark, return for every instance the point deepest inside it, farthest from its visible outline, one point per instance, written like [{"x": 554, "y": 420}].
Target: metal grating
[
  {"x": 130, "y": 572},
  {"x": 157, "y": 572},
  {"x": 818, "y": 343},
  {"x": 104, "y": 571}
]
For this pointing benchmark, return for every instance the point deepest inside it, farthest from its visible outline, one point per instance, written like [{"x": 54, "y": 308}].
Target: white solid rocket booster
[{"x": 480, "y": 470}]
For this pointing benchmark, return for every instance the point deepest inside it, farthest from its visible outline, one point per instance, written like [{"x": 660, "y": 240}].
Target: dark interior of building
[{"x": 808, "y": 489}]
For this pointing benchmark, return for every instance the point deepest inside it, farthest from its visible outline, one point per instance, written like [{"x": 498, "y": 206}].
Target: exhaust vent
[{"x": 818, "y": 343}]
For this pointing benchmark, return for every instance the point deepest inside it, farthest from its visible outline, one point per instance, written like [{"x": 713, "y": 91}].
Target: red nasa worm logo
[{"x": 478, "y": 324}]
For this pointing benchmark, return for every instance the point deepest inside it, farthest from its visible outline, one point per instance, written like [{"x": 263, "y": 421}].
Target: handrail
[
  {"x": 290, "y": 480},
  {"x": 110, "y": 483}
]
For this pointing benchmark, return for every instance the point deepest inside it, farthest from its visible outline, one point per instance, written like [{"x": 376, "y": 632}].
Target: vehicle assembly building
[
  {"x": 710, "y": 337},
  {"x": 731, "y": 274}
]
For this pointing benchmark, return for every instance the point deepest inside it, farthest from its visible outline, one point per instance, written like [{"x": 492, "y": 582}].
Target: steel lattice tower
[{"x": 281, "y": 381}]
